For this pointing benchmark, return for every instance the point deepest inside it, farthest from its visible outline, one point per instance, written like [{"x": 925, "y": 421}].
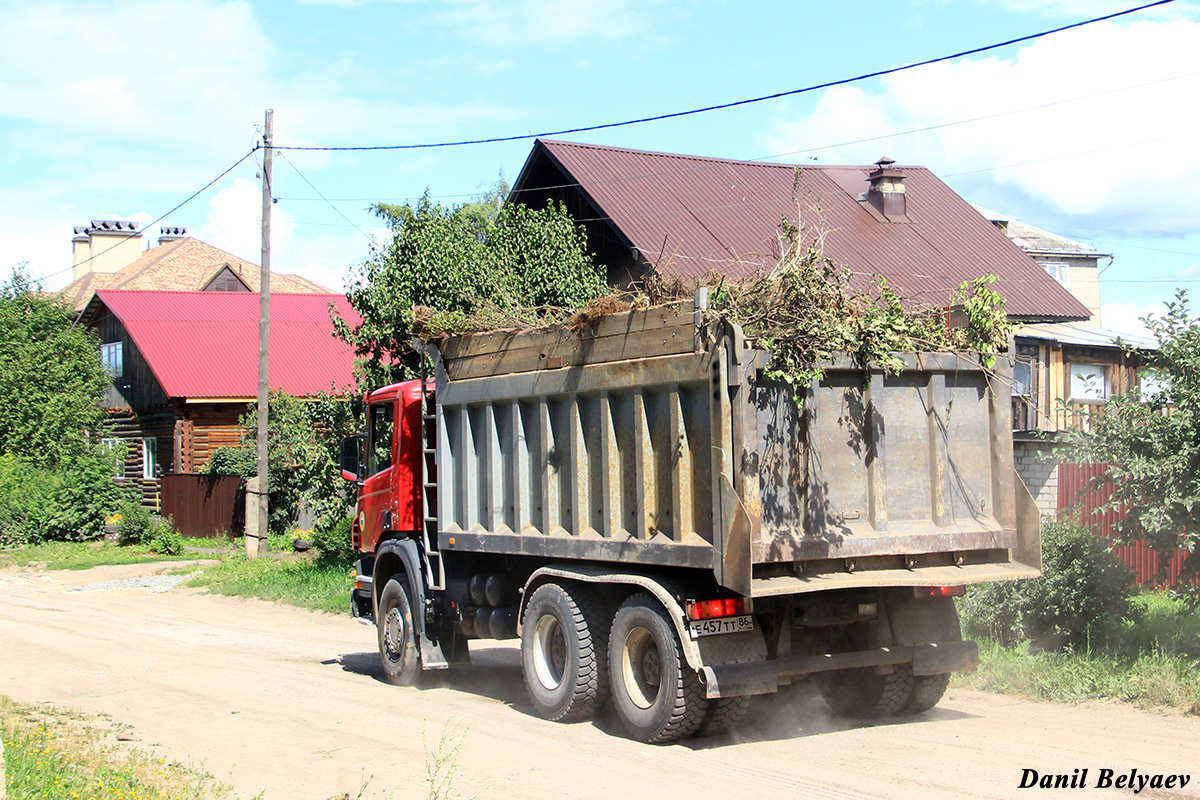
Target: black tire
[
  {"x": 399, "y": 651},
  {"x": 722, "y": 715},
  {"x": 926, "y": 693},
  {"x": 564, "y": 644},
  {"x": 658, "y": 697},
  {"x": 867, "y": 694}
]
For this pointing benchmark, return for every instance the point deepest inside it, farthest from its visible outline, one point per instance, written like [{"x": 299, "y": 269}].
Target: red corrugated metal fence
[{"x": 1076, "y": 495}]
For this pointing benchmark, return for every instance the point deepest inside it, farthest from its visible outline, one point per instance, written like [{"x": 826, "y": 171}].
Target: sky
[{"x": 122, "y": 110}]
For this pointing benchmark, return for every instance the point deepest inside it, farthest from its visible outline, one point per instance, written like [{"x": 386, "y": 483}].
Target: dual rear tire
[{"x": 576, "y": 653}]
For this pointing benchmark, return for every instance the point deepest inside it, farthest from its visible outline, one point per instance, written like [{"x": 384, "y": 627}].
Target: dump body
[{"x": 655, "y": 439}]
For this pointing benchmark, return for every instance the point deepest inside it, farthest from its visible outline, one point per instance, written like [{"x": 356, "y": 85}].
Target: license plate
[{"x": 708, "y": 627}]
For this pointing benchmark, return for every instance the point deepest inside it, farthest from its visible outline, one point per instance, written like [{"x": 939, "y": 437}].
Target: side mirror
[{"x": 352, "y": 458}]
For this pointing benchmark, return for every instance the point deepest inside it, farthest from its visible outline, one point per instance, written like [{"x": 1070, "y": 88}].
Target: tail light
[
  {"x": 939, "y": 591},
  {"x": 719, "y": 607}
]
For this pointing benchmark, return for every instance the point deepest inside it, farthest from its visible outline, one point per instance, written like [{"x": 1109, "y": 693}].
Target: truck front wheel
[
  {"x": 564, "y": 637},
  {"x": 399, "y": 650},
  {"x": 658, "y": 697}
]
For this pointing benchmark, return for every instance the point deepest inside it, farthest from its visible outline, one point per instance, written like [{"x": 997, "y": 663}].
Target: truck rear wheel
[
  {"x": 926, "y": 693},
  {"x": 399, "y": 651},
  {"x": 564, "y": 644},
  {"x": 658, "y": 697},
  {"x": 723, "y": 714},
  {"x": 866, "y": 693}
]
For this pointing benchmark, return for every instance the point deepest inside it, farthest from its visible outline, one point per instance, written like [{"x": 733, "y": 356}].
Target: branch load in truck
[{"x": 668, "y": 530}]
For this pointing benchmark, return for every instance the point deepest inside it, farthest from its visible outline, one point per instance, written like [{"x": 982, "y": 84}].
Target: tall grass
[{"x": 298, "y": 580}]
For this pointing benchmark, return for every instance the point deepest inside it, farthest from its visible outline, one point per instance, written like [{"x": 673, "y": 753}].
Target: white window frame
[
  {"x": 110, "y": 444},
  {"x": 112, "y": 355},
  {"x": 149, "y": 458},
  {"x": 1059, "y": 270},
  {"x": 1089, "y": 382}
]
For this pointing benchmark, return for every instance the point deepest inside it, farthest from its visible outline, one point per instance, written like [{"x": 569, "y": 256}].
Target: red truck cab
[{"x": 390, "y": 495}]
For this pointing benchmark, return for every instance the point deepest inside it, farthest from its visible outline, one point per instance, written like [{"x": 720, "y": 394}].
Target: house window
[
  {"x": 114, "y": 448},
  {"x": 1059, "y": 271},
  {"x": 1022, "y": 385},
  {"x": 112, "y": 357},
  {"x": 149, "y": 458},
  {"x": 1088, "y": 382}
]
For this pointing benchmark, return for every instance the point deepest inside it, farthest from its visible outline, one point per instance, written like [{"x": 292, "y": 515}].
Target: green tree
[
  {"x": 56, "y": 475},
  {"x": 51, "y": 379},
  {"x": 459, "y": 261},
  {"x": 1151, "y": 442}
]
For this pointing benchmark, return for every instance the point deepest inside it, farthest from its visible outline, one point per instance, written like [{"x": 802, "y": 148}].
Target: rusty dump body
[{"x": 654, "y": 439}]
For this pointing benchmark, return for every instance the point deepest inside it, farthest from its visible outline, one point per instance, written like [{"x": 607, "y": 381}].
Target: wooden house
[{"x": 185, "y": 368}]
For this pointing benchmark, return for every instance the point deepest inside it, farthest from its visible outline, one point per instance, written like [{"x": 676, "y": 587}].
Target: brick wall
[{"x": 1038, "y": 467}]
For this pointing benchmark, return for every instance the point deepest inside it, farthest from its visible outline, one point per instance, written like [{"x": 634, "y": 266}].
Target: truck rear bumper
[{"x": 764, "y": 677}]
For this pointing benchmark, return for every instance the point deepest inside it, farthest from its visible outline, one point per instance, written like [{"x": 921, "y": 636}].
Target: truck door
[{"x": 377, "y": 498}]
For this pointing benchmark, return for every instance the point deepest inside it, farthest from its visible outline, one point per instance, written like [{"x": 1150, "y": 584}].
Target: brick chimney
[
  {"x": 886, "y": 193},
  {"x": 106, "y": 245}
]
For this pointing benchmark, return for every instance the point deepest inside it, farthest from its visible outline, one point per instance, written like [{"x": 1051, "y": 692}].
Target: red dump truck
[{"x": 668, "y": 530}]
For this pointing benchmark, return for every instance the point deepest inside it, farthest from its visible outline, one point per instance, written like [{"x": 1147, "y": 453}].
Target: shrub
[
  {"x": 163, "y": 538},
  {"x": 62, "y": 504},
  {"x": 333, "y": 541},
  {"x": 1082, "y": 598},
  {"x": 134, "y": 527}
]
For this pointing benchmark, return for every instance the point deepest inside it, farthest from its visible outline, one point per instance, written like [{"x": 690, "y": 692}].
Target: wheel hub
[
  {"x": 549, "y": 652},
  {"x": 641, "y": 667},
  {"x": 393, "y": 634}
]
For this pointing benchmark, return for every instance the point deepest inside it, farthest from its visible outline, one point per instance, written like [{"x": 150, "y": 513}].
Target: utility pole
[{"x": 253, "y": 548}]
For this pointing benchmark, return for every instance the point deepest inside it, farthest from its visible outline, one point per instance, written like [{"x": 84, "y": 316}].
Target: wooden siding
[
  {"x": 1075, "y": 495},
  {"x": 1049, "y": 407},
  {"x": 136, "y": 387},
  {"x": 132, "y": 427}
]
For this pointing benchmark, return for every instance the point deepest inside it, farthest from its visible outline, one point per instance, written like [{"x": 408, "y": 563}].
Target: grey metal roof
[
  {"x": 690, "y": 215},
  {"x": 1069, "y": 333}
]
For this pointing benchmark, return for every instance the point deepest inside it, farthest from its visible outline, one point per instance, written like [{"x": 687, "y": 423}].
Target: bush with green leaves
[
  {"x": 163, "y": 538},
  {"x": 134, "y": 527},
  {"x": 1080, "y": 601},
  {"x": 303, "y": 441},
  {"x": 513, "y": 261},
  {"x": 1151, "y": 444},
  {"x": 41, "y": 504},
  {"x": 333, "y": 540}
]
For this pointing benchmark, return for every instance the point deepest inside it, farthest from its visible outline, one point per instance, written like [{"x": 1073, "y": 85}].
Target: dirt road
[{"x": 288, "y": 702}]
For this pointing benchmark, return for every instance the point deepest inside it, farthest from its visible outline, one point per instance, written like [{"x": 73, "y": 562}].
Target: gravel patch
[{"x": 153, "y": 583}]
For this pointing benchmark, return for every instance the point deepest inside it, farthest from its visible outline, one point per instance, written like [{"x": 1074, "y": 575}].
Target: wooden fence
[{"x": 204, "y": 505}]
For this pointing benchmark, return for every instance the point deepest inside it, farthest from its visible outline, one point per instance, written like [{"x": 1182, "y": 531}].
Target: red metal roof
[
  {"x": 205, "y": 344},
  {"x": 689, "y": 215}
]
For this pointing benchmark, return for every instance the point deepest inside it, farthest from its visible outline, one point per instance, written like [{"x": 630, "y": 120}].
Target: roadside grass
[
  {"x": 52, "y": 753},
  {"x": 82, "y": 555},
  {"x": 296, "y": 579},
  {"x": 1153, "y": 661}
]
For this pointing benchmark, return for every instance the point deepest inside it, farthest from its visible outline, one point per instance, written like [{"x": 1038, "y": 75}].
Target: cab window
[{"x": 379, "y": 449}]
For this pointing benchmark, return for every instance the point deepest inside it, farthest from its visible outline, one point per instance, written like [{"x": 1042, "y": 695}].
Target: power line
[
  {"x": 736, "y": 103},
  {"x": 323, "y": 197},
  {"x": 154, "y": 222}
]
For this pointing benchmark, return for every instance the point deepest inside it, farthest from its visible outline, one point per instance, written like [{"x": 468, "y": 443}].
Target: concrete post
[{"x": 255, "y": 543}]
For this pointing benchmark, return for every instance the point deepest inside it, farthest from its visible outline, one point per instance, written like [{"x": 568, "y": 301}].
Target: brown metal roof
[{"x": 689, "y": 215}]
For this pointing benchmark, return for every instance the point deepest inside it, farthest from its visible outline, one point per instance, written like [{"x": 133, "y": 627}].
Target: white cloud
[
  {"x": 1119, "y": 153},
  {"x": 1127, "y": 317},
  {"x": 505, "y": 23}
]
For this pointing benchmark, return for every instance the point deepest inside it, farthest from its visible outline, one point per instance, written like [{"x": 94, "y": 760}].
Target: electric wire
[
  {"x": 154, "y": 222},
  {"x": 744, "y": 102}
]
